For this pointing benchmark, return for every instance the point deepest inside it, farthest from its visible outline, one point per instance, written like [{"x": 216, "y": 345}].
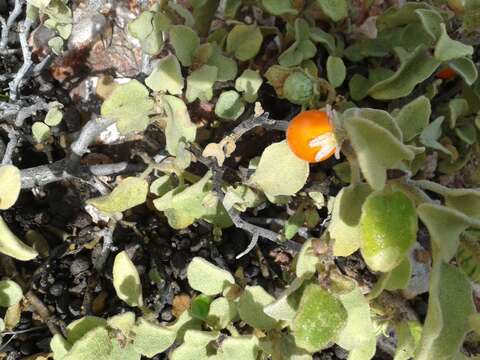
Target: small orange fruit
[
  {"x": 446, "y": 73},
  {"x": 310, "y": 135}
]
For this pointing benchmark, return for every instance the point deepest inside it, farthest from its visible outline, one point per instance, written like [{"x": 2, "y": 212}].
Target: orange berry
[
  {"x": 310, "y": 136},
  {"x": 446, "y": 73}
]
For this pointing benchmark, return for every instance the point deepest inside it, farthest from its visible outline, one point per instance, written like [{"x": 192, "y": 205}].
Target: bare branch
[
  {"x": 8, "y": 24},
  {"x": 27, "y": 60},
  {"x": 11, "y": 146}
]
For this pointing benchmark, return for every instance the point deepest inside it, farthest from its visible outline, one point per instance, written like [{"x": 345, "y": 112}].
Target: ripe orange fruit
[
  {"x": 310, "y": 136},
  {"x": 446, "y": 73}
]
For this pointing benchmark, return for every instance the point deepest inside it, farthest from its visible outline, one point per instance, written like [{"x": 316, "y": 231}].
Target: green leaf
[
  {"x": 10, "y": 293},
  {"x": 229, "y": 105},
  {"x": 376, "y": 148},
  {"x": 129, "y": 193},
  {"x": 389, "y": 229},
  {"x": 129, "y": 105},
  {"x": 249, "y": 83},
  {"x": 56, "y": 44},
  {"x": 12, "y": 246},
  {"x": 200, "y": 306},
  {"x": 162, "y": 185},
  {"x": 227, "y": 68},
  {"x": 126, "y": 280},
  {"x": 207, "y": 278},
  {"x": 414, "y": 70},
  {"x": 298, "y": 88},
  {"x": 279, "y": 7},
  {"x": 298, "y": 52},
  {"x": 148, "y": 28},
  {"x": 294, "y": 223},
  {"x": 467, "y": 133},
  {"x": 379, "y": 117},
  {"x": 320, "y": 319},
  {"x": 123, "y": 322},
  {"x": 221, "y": 313},
  {"x": 40, "y": 131},
  {"x": 336, "y": 71},
  {"x": 334, "y": 9},
  {"x": 179, "y": 126},
  {"x": 59, "y": 346},
  {"x": 166, "y": 76},
  {"x": 10, "y": 186},
  {"x": 286, "y": 305},
  {"x": 54, "y": 116},
  {"x": 449, "y": 305},
  {"x": 431, "y": 133},
  {"x": 408, "y": 335},
  {"x": 358, "y": 86},
  {"x": 399, "y": 277},
  {"x": 151, "y": 339},
  {"x": 359, "y": 329},
  {"x": 307, "y": 260},
  {"x": 347, "y": 238},
  {"x": 200, "y": 83},
  {"x": 397, "y": 16},
  {"x": 351, "y": 202},
  {"x": 466, "y": 68},
  {"x": 413, "y": 118},
  {"x": 445, "y": 226},
  {"x": 456, "y": 109},
  {"x": 431, "y": 21},
  {"x": 468, "y": 256},
  {"x": 96, "y": 344},
  {"x": 238, "y": 348},
  {"x": 244, "y": 41},
  {"x": 78, "y": 328},
  {"x": 284, "y": 177},
  {"x": 447, "y": 49},
  {"x": 276, "y": 76},
  {"x": 195, "y": 345},
  {"x": 319, "y": 36},
  {"x": 185, "y": 42},
  {"x": 250, "y": 308}
]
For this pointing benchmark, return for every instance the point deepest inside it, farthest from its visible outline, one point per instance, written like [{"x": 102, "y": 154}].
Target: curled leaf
[
  {"x": 126, "y": 280},
  {"x": 12, "y": 246}
]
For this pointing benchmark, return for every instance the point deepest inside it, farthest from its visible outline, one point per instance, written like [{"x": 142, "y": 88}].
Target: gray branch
[
  {"x": 6, "y": 25},
  {"x": 27, "y": 60}
]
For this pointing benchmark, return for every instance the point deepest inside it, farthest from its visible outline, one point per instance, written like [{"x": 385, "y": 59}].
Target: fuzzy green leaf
[
  {"x": 221, "y": 313},
  {"x": 279, "y": 7},
  {"x": 431, "y": 133},
  {"x": 129, "y": 193},
  {"x": 358, "y": 86},
  {"x": 126, "y": 280},
  {"x": 320, "y": 319},
  {"x": 376, "y": 148},
  {"x": 10, "y": 186},
  {"x": 334, "y": 9},
  {"x": 40, "y": 131},
  {"x": 10, "y": 293},
  {"x": 336, "y": 71},
  {"x": 179, "y": 126},
  {"x": 408, "y": 335},
  {"x": 379, "y": 117},
  {"x": 244, "y": 41},
  {"x": 148, "y": 28},
  {"x": 54, "y": 116},
  {"x": 166, "y": 76},
  {"x": 249, "y": 83},
  {"x": 447, "y": 49},
  {"x": 414, "y": 70},
  {"x": 151, "y": 339},
  {"x": 12, "y": 246},
  {"x": 95, "y": 344},
  {"x": 129, "y": 105},
  {"x": 389, "y": 228},
  {"x": 250, "y": 308},
  {"x": 229, "y": 105},
  {"x": 238, "y": 348},
  {"x": 284, "y": 177},
  {"x": 207, "y": 278},
  {"x": 307, "y": 260},
  {"x": 413, "y": 118},
  {"x": 185, "y": 42},
  {"x": 351, "y": 202},
  {"x": 200, "y": 83},
  {"x": 298, "y": 88},
  {"x": 466, "y": 68},
  {"x": 431, "y": 21}
]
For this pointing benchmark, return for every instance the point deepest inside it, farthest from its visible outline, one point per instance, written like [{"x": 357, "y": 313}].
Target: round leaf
[
  {"x": 250, "y": 308},
  {"x": 12, "y": 246},
  {"x": 229, "y": 105},
  {"x": 336, "y": 71},
  {"x": 10, "y": 185},
  {"x": 126, "y": 280},
  {"x": 167, "y": 76},
  {"x": 207, "y": 278},
  {"x": 244, "y": 41},
  {"x": 10, "y": 293}
]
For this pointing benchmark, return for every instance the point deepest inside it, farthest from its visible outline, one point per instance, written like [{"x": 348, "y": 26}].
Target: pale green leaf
[
  {"x": 244, "y": 41},
  {"x": 96, "y": 344},
  {"x": 307, "y": 260},
  {"x": 195, "y": 345},
  {"x": 414, "y": 70},
  {"x": 40, "y": 131},
  {"x": 221, "y": 313},
  {"x": 151, "y": 339},
  {"x": 12, "y": 246},
  {"x": 10, "y": 293},
  {"x": 358, "y": 86},
  {"x": 447, "y": 49},
  {"x": 389, "y": 229},
  {"x": 336, "y": 71},
  {"x": 179, "y": 126},
  {"x": 56, "y": 44},
  {"x": 431, "y": 133},
  {"x": 413, "y": 118},
  {"x": 320, "y": 319},
  {"x": 123, "y": 322},
  {"x": 408, "y": 338},
  {"x": 129, "y": 105},
  {"x": 286, "y": 305},
  {"x": 54, "y": 116},
  {"x": 250, "y": 308},
  {"x": 294, "y": 223},
  {"x": 229, "y": 105},
  {"x": 334, "y": 9},
  {"x": 207, "y": 278},
  {"x": 376, "y": 148},
  {"x": 200, "y": 83},
  {"x": 238, "y": 348},
  {"x": 284, "y": 177},
  {"x": 298, "y": 88},
  {"x": 431, "y": 21},
  {"x": 227, "y": 67},
  {"x": 59, "y": 346},
  {"x": 162, "y": 185},
  {"x": 166, "y": 76},
  {"x": 466, "y": 68},
  {"x": 185, "y": 42},
  {"x": 319, "y": 36},
  {"x": 10, "y": 185},
  {"x": 129, "y": 193},
  {"x": 351, "y": 202},
  {"x": 126, "y": 280},
  {"x": 379, "y": 117},
  {"x": 148, "y": 29},
  {"x": 249, "y": 83},
  {"x": 279, "y": 7},
  {"x": 78, "y": 328}
]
